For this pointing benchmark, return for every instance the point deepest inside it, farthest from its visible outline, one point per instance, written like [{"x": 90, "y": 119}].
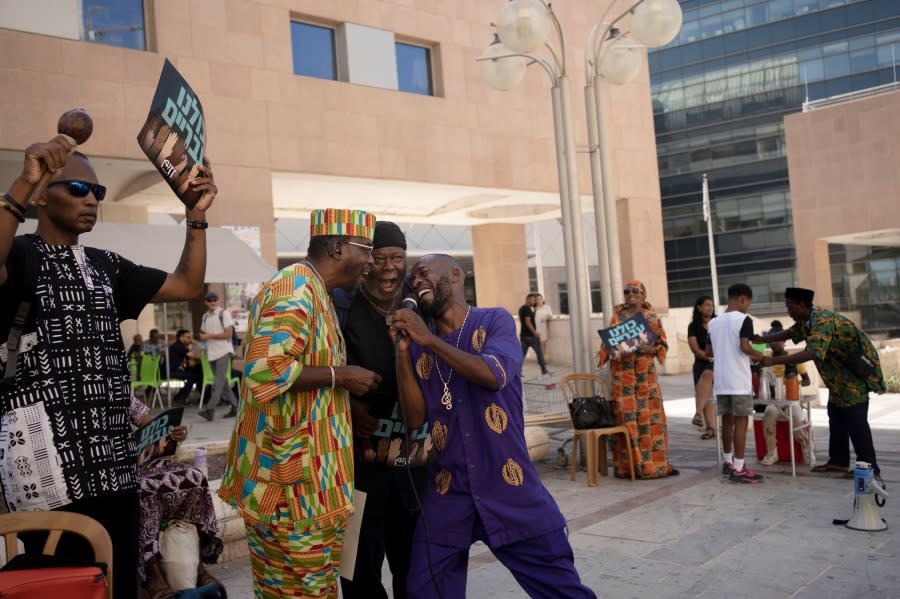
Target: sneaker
[
  {"x": 745, "y": 476},
  {"x": 770, "y": 460},
  {"x": 206, "y": 414},
  {"x": 727, "y": 469}
]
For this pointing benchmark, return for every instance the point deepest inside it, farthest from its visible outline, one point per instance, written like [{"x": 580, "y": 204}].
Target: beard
[{"x": 443, "y": 294}]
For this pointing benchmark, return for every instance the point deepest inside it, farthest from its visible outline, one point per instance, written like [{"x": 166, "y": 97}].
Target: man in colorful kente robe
[{"x": 289, "y": 469}]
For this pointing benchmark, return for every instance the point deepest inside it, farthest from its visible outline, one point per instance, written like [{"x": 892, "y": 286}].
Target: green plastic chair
[
  {"x": 149, "y": 377},
  {"x": 133, "y": 364},
  {"x": 209, "y": 377},
  {"x": 233, "y": 381}
]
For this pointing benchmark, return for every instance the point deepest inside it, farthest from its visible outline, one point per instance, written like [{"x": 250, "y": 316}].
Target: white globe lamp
[
  {"x": 620, "y": 60},
  {"x": 502, "y": 73},
  {"x": 656, "y": 22},
  {"x": 523, "y": 25}
]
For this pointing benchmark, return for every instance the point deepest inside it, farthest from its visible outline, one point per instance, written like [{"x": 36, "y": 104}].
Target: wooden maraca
[{"x": 77, "y": 125}]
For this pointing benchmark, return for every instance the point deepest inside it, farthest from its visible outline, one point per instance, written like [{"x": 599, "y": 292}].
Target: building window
[
  {"x": 414, "y": 69},
  {"x": 115, "y": 23},
  {"x": 313, "y": 49}
]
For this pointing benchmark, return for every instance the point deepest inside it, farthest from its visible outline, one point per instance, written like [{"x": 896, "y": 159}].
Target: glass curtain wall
[{"x": 721, "y": 90}]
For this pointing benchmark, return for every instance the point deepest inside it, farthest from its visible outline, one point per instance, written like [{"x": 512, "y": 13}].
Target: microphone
[{"x": 409, "y": 303}]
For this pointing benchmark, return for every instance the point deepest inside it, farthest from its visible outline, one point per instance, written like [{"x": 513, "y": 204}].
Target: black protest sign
[{"x": 174, "y": 136}]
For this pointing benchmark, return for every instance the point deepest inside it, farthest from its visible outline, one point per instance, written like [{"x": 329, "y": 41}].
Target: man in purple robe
[{"x": 465, "y": 381}]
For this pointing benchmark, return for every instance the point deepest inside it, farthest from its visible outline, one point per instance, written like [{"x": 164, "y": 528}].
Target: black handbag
[
  {"x": 857, "y": 362},
  {"x": 592, "y": 412}
]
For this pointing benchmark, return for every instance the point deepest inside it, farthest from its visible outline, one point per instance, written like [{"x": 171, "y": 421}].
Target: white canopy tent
[{"x": 228, "y": 259}]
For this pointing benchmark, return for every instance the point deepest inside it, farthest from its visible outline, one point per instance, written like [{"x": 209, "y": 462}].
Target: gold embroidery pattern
[
  {"x": 478, "y": 338},
  {"x": 442, "y": 481},
  {"x": 439, "y": 435},
  {"x": 496, "y": 418},
  {"x": 423, "y": 366},
  {"x": 499, "y": 367},
  {"x": 512, "y": 473}
]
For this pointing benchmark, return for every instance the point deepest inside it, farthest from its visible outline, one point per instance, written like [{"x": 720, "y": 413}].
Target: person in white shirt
[
  {"x": 729, "y": 337},
  {"x": 542, "y": 315},
  {"x": 216, "y": 329}
]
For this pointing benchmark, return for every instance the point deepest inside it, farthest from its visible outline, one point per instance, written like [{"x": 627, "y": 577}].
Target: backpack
[{"x": 235, "y": 340}]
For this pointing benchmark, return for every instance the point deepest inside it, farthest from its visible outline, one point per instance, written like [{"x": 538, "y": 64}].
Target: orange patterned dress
[{"x": 638, "y": 404}]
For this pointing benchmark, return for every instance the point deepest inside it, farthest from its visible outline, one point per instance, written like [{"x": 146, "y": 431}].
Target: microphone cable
[{"x": 412, "y": 483}]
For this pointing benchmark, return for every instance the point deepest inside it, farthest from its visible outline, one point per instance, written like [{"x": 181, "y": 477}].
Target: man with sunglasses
[
  {"x": 66, "y": 393},
  {"x": 289, "y": 467}
]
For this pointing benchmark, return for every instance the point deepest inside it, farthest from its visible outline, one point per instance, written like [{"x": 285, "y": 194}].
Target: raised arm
[
  {"x": 39, "y": 158},
  {"x": 187, "y": 280}
]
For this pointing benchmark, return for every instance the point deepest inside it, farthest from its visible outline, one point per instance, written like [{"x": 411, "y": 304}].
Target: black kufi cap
[
  {"x": 798, "y": 294},
  {"x": 388, "y": 235}
]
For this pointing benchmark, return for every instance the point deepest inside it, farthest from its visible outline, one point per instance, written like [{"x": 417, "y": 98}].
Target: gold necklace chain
[
  {"x": 379, "y": 309},
  {"x": 446, "y": 396}
]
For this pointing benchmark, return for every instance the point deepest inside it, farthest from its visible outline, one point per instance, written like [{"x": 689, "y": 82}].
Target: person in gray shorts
[{"x": 729, "y": 336}]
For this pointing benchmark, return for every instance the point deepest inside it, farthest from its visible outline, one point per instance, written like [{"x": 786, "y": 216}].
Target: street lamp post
[
  {"x": 611, "y": 55},
  {"x": 522, "y": 29},
  {"x": 523, "y": 25}
]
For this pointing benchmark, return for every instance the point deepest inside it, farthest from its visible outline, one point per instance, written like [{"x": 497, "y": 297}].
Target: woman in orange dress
[{"x": 636, "y": 396}]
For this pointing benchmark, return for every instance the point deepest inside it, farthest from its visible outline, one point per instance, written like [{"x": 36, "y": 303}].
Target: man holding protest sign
[{"x": 66, "y": 394}]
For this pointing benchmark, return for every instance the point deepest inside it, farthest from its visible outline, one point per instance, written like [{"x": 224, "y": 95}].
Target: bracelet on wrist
[
  {"x": 197, "y": 224},
  {"x": 17, "y": 214},
  {"x": 331, "y": 368},
  {"x": 14, "y": 203}
]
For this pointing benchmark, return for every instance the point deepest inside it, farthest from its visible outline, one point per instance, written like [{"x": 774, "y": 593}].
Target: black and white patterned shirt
[{"x": 65, "y": 432}]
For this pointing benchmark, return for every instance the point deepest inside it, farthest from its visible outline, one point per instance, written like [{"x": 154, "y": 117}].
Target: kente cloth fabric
[
  {"x": 341, "y": 221},
  {"x": 304, "y": 563},
  {"x": 65, "y": 434},
  {"x": 291, "y": 447},
  {"x": 829, "y": 337},
  {"x": 638, "y": 405},
  {"x": 481, "y": 465}
]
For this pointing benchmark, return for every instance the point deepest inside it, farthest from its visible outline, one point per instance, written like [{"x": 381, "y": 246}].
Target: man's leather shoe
[
  {"x": 206, "y": 414},
  {"x": 231, "y": 413}
]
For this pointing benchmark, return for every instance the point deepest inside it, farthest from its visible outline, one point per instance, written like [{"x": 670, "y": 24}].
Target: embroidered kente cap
[{"x": 341, "y": 221}]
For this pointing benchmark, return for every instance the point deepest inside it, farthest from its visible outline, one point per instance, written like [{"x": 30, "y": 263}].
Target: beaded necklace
[{"x": 446, "y": 396}]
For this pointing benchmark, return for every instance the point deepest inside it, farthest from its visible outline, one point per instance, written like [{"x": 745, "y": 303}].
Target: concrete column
[
  {"x": 821, "y": 282},
  {"x": 245, "y": 199},
  {"x": 642, "y": 251},
  {"x": 501, "y": 265}
]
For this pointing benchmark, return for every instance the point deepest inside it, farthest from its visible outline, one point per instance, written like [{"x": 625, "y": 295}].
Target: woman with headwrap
[{"x": 636, "y": 396}]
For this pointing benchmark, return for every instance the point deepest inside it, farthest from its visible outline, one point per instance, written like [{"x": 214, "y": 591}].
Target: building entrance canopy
[{"x": 228, "y": 259}]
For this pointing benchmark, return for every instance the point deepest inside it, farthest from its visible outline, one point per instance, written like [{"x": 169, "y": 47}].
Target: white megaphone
[{"x": 865, "y": 512}]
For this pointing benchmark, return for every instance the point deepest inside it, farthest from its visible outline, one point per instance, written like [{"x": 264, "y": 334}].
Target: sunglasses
[
  {"x": 368, "y": 248},
  {"x": 630, "y": 290},
  {"x": 80, "y": 189},
  {"x": 212, "y": 299}
]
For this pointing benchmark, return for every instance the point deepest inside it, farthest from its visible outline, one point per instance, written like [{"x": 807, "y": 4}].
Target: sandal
[
  {"x": 828, "y": 467},
  {"x": 709, "y": 434},
  {"x": 698, "y": 420}
]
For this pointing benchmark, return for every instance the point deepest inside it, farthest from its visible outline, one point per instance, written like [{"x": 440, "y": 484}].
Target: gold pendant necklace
[{"x": 446, "y": 396}]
